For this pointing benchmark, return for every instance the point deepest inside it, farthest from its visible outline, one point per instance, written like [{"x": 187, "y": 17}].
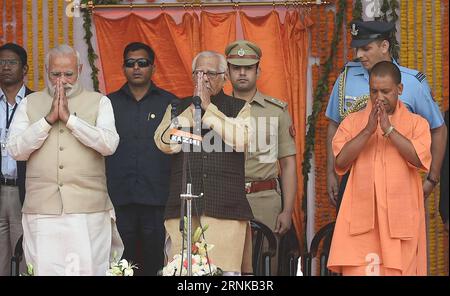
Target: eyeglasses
[
  {"x": 68, "y": 74},
  {"x": 9, "y": 63},
  {"x": 209, "y": 74},
  {"x": 142, "y": 63}
]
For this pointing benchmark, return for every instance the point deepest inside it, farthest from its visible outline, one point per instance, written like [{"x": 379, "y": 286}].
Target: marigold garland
[
  {"x": 438, "y": 97},
  {"x": 41, "y": 53},
  {"x": 404, "y": 33},
  {"x": 2, "y": 4},
  {"x": 19, "y": 21},
  {"x": 438, "y": 52},
  {"x": 329, "y": 32},
  {"x": 429, "y": 43},
  {"x": 321, "y": 206},
  {"x": 30, "y": 53},
  {"x": 395, "y": 48},
  {"x": 348, "y": 37},
  {"x": 445, "y": 57},
  {"x": 431, "y": 201},
  {"x": 340, "y": 61},
  {"x": 9, "y": 21},
  {"x": 314, "y": 31},
  {"x": 60, "y": 22},
  {"x": 411, "y": 35},
  {"x": 51, "y": 23},
  {"x": 70, "y": 31},
  {"x": 323, "y": 34},
  {"x": 324, "y": 212},
  {"x": 419, "y": 39}
]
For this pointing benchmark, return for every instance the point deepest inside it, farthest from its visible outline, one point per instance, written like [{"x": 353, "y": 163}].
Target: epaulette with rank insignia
[
  {"x": 413, "y": 72},
  {"x": 420, "y": 76},
  {"x": 350, "y": 64},
  {"x": 276, "y": 102}
]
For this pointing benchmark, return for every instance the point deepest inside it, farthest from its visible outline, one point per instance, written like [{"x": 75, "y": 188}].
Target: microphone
[
  {"x": 173, "y": 113},
  {"x": 197, "y": 101},
  {"x": 182, "y": 136}
]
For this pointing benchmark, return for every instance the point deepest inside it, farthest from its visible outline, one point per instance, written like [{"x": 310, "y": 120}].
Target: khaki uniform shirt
[{"x": 272, "y": 140}]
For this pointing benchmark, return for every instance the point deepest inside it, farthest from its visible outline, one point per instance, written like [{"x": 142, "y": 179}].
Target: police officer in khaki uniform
[{"x": 273, "y": 143}]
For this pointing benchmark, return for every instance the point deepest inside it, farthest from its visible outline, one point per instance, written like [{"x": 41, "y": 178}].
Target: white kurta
[
  {"x": 71, "y": 244},
  {"x": 68, "y": 244}
]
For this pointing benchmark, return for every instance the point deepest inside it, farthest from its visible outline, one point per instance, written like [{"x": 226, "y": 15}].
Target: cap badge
[
  {"x": 354, "y": 31},
  {"x": 241, "y": 52}
]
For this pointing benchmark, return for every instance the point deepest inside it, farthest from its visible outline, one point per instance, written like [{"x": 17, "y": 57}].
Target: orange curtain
[
  {"x": 175, "y": 45},
  {"x": 284, "y": 66},
  {"x": 217, "y": 30}
]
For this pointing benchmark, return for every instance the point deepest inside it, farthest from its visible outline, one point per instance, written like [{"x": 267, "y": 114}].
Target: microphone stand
[{"x": 188, "y": 196}]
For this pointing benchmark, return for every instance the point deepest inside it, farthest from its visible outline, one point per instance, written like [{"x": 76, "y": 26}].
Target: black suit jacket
[{"x": 21, "y": 166}]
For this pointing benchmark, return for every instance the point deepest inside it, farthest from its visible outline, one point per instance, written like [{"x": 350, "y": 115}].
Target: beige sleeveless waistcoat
[{"x": 64, "y": 175}]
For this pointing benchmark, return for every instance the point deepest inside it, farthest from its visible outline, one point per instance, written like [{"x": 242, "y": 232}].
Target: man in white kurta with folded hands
[{"x": 64, "y": 132}]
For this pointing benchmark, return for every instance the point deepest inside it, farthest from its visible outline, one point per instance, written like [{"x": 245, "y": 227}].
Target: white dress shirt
[
  {"x": 9, "y": 166},
  {"x": 25, "y": 138}
]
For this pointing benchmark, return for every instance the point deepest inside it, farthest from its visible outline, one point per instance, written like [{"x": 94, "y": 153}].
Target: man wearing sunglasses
[
  {"x": 138, "y": 173},
  {"x": 64, "y": 132},
  {"x": 13, "y": 69},
  {"x": 215, "y": 167}
]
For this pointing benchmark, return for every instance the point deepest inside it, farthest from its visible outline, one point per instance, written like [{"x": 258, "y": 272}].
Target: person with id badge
[{"x": 13, "y": 69}]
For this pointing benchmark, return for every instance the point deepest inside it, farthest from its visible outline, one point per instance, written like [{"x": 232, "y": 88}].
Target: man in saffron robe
[{"x": 380, "y": 229}]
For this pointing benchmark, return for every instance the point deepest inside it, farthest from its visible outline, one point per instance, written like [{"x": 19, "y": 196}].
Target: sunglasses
[{"x": 142, "y": 63}]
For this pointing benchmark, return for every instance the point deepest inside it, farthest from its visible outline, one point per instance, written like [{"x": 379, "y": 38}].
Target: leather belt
[
  {"x": 252, "y": 187},
  {"x": 8, "y": 182}
]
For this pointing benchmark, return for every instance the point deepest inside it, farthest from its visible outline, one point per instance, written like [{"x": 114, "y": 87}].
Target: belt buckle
[
  {"x": 248, "y": 186},
  {"x": 9, "y": 182}
]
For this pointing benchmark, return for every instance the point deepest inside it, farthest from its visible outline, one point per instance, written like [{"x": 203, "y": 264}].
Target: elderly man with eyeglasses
[
  {"x": 64, "y": 132},
  {"x": 138, "y": 173},
  {"x": 210, "y": 155}
]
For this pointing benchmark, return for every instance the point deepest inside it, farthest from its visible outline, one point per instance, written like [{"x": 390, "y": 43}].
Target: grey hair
[
  {"x": 223, "y": 66},
  {"x": 62, "y": 49}
]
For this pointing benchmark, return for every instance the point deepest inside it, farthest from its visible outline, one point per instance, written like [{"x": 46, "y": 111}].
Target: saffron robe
[{"x": 382, "y": 217}]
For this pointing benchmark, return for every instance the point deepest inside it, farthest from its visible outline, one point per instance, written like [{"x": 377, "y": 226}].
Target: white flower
[
  {"x": 128, "y": 271},
  {"x": 121, "y": 268},
  {"x": 124, "y": 264},
  {"x": 116, "y": 270}
]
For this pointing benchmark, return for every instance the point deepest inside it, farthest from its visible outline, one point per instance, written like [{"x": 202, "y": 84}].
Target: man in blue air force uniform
[{"x": 371, "y": 40}]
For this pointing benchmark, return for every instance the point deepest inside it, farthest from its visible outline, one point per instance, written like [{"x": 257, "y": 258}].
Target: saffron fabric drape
[{"x": 284, "y": 60}]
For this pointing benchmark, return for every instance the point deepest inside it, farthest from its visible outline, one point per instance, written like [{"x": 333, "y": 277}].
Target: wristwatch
[{"x": 433, "y": 181}]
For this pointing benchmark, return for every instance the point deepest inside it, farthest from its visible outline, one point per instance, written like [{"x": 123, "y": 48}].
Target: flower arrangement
[
  {"x": 117, "y": 268},
  {"x": 121, "y": 268},
  {"x": 201, "y": 264}
]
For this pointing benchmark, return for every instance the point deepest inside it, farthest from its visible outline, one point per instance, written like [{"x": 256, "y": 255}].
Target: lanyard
[{"x": 8, "y": 119}]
